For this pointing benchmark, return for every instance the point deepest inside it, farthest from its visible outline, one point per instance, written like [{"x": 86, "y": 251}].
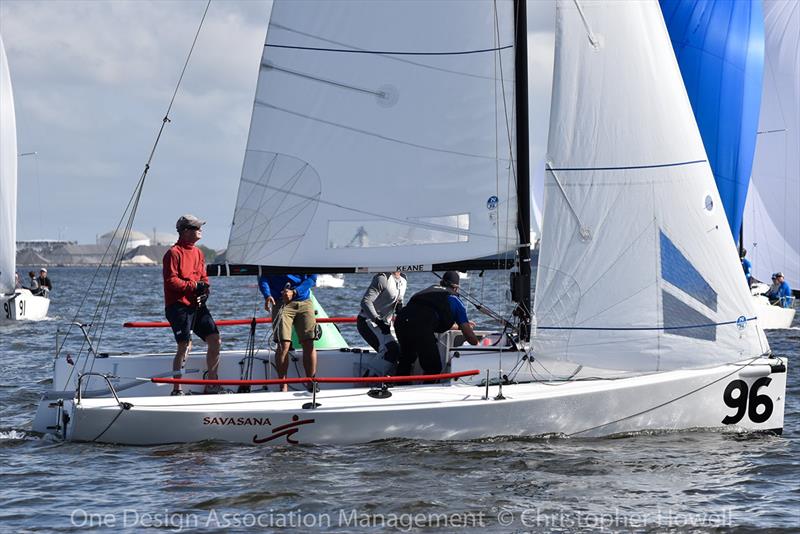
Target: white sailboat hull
[
  {"x": 330, "y": 281},
  {"x": 671, "y": 401},
  {"x": 770, "y": 317},
  {"x": 23, "y": 305}
]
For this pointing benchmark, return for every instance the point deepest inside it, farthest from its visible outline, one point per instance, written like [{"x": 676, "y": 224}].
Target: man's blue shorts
[{"x": 184, "y": 320}]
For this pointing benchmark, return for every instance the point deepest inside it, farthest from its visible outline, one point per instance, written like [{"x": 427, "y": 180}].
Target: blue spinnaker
[{"x": 719, "y": 45}]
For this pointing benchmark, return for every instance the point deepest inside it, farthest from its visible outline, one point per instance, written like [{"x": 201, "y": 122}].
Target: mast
[{"x": 522, "y": 283}]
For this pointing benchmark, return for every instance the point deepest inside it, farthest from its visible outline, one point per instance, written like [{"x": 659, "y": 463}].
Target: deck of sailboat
[{"x": 454, "y": 393}]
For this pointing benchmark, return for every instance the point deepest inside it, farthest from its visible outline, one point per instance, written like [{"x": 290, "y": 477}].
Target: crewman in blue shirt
[
  {"x": 780, "y": 293},
  {"x": 293, "y": 308},
  {"x": 431, "y": 311},
  {"x": 747, "y": 267}
]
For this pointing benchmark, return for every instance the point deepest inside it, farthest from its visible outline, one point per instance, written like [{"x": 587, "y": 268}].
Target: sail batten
[
  {"x": 372, "y": 145},
  {"x": 390, "y": 52},
  {"x": 629, "y": 167}
]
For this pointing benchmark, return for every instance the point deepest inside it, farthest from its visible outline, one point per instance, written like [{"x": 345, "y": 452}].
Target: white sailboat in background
[
  {"x": 630, "y": 203},
  {"x": 15, "y": 303},
  {"x": 772, "y": 211},
  {"x": 331, "y": 281}
]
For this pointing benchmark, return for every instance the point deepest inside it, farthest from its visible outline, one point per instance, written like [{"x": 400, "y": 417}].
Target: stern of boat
[{"x": 24, "y": 305}]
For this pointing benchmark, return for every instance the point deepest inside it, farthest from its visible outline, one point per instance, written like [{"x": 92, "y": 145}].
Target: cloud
[{"x": 92, "y": 82}]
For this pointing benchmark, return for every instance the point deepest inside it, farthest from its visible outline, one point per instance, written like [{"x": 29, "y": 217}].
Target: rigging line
[
  {"x": 266, "y": 342},
  {"x": 496, "y": 126},
  {"x": 116, "y": 270},
  {"x": 108, "y": 291},
  {"x": 398, "y": 59},
  {"x": 134, "y": 200},
  {"x": 509, "y": 136},
  {"x": 640, "y": 328},
  {"x": 656, "y": 276},
  {"x": 389, "y": 52},
  {"x": 589, "y": 33},
  {"x": 113, "y": 274},
  {"x": 517, "y": 369},
  {"x": 405, "y": 222},
  {"x": 483, "y": 309},
  {"x": 94, "y": 277},
  {"x": 121, "y": 410},
  {"x": 692, "y": 392},
  {"x": 372, "y": 134},
  {"x": 95, "y": 314},
  {"x": 505, "y": 108},
  {"x": 185, "y": 65}
]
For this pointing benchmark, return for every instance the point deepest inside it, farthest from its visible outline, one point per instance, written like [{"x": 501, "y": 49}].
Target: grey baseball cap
[{"x": 188, "y": 220}]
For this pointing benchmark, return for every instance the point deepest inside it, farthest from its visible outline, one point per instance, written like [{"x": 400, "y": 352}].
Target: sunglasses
[{"x": 192, "y": 228}]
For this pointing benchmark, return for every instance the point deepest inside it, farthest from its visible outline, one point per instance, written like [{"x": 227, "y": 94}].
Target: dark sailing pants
[
  {"x": 414, "y": 327},
  {"x": 372, "y": 335},
  {"x": 364, "y": 328}
]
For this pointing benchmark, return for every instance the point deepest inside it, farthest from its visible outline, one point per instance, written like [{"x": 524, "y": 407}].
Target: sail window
[
  {"x": 395, "y": 233},
  {"x": 678, "y": 271},
  {"x": 683, "y": 320}
]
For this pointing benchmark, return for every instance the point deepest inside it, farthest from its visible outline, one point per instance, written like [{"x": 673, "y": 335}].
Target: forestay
[
  {"x": 8, "y": 177},
  {"x": 380, "y": 136},
  {"x": 772, "y": 212},
  {"x": 637, "y": 269}
]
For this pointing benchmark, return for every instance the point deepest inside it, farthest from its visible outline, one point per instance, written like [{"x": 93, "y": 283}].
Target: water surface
[{"x": 647, "y": 482}]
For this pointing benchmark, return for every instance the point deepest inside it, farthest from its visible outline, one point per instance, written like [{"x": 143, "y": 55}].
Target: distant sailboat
[
  {"x": 720, "y": 49},
  {"x": 330, "y": 281},
  {"x": 772, "y": 213},
  {"x": 15, "y": 303}
]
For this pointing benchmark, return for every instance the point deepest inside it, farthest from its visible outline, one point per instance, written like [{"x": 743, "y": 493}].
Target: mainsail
[
  {"x": 637, "y": 269},
  {"x": 8, "y": 177},
  {"x": 720, "y": 50},
  {"x": 382, "y": 134},
  {"x": 772, "y": 213}
]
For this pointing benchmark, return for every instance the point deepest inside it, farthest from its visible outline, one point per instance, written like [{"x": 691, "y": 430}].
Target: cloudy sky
[{"x": 92, "y": 80}]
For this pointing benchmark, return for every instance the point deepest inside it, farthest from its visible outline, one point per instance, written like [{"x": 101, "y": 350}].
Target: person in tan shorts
[{"x": 294, "y": 309}]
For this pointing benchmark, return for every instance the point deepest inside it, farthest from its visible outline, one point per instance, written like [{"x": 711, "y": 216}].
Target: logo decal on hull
[
  {"x": 237, "y": 421},
  {"x": 287, "y": 430}
]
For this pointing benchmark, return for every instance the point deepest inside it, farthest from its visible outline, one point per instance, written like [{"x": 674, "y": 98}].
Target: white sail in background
[
  {"x": 8, "y": 177},
  {"x": 380, "y": 135},
  {"x": 772, "y": 211},
  {"x": 636, "y": 260}
]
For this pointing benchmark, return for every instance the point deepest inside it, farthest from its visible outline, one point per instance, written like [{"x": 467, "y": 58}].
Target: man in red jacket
[{"x": 186, "y": 289}]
